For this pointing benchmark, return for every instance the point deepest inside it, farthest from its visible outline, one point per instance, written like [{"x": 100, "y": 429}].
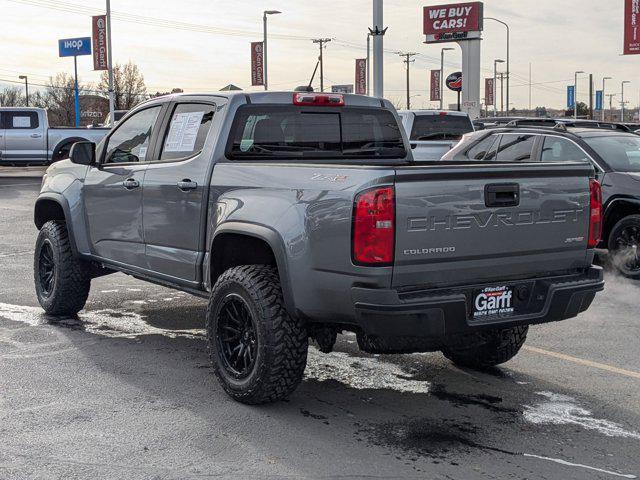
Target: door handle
[
  {"x": 187, "y": 185},
  {"x": 35, "y": 135},
  {"x": 502, "y": 195},
  {"x": 131, "y": 183}
]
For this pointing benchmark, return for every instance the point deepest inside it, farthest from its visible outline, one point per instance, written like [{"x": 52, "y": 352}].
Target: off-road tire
[
  {"x": 487, "y": 349},
  {"x": 626, "y": 222},
  {"x": 282, "y": 340},
  {"x": 71, "y": 278}
]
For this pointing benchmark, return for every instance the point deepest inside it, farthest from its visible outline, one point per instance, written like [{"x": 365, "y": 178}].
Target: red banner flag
[
  {"x": 361, "y": 76},
  {"x": 99, "y": 40},
  {"x": 257, "y": 64},
  {"x": 435, "y": 85},
  {"x": 489, "y": 92},
  {"x": 631, "y": 27}
]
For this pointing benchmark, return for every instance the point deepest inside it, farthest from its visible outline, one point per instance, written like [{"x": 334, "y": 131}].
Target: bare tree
[
  {"x": 161, "y": 94},
  {"x": 12, "y": 97},
  {"x": 128, "y": 85}
]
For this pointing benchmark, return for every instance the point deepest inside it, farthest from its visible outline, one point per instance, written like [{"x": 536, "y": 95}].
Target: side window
[
  {"x": 515, "y": 148},
  {"x": 558, "y": 149},
  {"x": 130, "y": 141},
  {"x": 188, "y": 129},
  {"x": 20, "y": 120},
  {"x": 480, "y": 149}
]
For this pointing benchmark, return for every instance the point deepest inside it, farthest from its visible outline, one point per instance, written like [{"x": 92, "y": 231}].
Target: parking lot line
[{"x": 580, "y": 361}]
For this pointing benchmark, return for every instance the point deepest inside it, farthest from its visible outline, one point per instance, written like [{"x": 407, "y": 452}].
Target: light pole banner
[
  {"x": 257, "y": 63},
  {"x": 599, "y": 100},
  {"x": 571, "y": 96},
  {"x": 361, "y": 76},
  {"x": 99, "y": 39},
  {"x": 435, "y": 85},
  {"x": 489, "y": 92},
  {"x": 631, "y": 27}
]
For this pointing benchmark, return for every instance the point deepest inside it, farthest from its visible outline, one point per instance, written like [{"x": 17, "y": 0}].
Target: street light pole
[
  {"x": 622, "y": 100},
  {"x": 264, "y": 43},
  {"x": 368, "y": 64},
  {"x": 495, "y": 85},
  {"x": 508, "y": 55},
  {"x": 442, "y": 76},
  {"x": 575, "y": 94},
  {"x": 26, "y": 87},
  {"x": 604, "y": 80},
  {"x": 112, "y": 100}
]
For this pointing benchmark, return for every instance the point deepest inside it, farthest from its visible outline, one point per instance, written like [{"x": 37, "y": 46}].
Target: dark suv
[{"x": 614, "y": 153}]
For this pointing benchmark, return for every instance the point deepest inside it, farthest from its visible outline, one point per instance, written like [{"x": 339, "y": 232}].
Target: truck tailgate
[{"x": 466, "y": 224}]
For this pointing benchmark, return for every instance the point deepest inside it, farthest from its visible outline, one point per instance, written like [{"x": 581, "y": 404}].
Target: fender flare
[
  {"x": 62, "y": 201},
  {"x": 66, "y": 141},
  {"x": 611, "y": 205},
  {"x": 271, "y": 238}
]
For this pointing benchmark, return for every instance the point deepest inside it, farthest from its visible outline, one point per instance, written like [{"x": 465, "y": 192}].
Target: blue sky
[{"x": 202, "y": 45}]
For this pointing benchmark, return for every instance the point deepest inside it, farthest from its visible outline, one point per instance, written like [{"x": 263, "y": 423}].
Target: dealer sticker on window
[{"x": 493, "y": 301}]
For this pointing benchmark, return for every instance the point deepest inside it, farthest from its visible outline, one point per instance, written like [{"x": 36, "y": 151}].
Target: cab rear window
[
  {"x": 282, "y": 132},
  {"x": 440, "y": 127}
]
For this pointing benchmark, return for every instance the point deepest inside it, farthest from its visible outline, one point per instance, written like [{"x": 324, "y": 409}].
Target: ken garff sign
[{"x": 72, "y": 47}]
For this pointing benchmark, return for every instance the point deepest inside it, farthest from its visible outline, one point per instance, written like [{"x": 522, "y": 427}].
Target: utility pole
[
  {"x": 622, "y": 102},
  {"x": 112, "y": 99},
  {"x": 377, "y": 32},
  {"x": 408, "y": 61},
  {"x": 611, "y": 95},
  {"x": 321, "y": 42}
]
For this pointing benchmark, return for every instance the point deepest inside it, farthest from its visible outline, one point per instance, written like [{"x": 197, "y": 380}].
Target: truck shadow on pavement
[{"x": 419, "y": 410}]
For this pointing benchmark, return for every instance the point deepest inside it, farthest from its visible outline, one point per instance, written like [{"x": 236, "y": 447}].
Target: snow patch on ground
[
  {"x": 105, "y": 322},
  {"x": 563, "y": 410},
  {"x": 360, "y": 373}
]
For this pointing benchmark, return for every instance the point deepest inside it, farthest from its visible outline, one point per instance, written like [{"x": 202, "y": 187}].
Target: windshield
[
  {"x": 621, "y": 152},
  {"x": 290, "y": 132},
  {"x": 440, "y": 127}
]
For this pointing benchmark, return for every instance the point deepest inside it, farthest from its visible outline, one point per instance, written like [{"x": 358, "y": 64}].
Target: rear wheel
[
  {"x": 62, "y": 280},
  {"x": 487, "y": 349},
  {"x": 624, "y": 246},
  {"x": 258, "y": 351}
]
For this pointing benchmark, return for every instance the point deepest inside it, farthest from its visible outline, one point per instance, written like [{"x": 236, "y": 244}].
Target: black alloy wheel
[
  {"x": 237, "y": 337},
  {"x": 627, "y": 250},
  {"x": 46, "y": 268}
]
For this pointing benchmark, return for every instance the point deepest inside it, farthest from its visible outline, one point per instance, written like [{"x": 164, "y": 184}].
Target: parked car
[
  {"x": 117, "y": 116},
  {"x": 27, "y": 139},
  {"x": 433, "y": 133},
  {"x": 302, "y": 215},
  {"x": 615, "y": 154}
]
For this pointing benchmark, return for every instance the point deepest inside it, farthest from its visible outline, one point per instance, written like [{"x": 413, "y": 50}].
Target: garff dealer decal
[{"x": 493, "y": 301}]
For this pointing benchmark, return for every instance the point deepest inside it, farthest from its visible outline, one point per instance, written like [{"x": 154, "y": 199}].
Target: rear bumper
[{"x": 445, "y": 312}]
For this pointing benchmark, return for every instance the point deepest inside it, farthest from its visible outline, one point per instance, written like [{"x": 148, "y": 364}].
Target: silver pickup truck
[
  {"x": 302, "y": 215},
  {"x": 27, "y": 139},
  {"x": 432, "y": 133}
]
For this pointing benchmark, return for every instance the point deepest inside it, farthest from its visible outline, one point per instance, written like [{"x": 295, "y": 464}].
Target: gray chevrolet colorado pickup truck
[{"x": 302, "y": 215}]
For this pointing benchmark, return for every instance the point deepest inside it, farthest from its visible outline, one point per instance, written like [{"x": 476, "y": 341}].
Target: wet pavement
[{"x": 126, "y": 391}]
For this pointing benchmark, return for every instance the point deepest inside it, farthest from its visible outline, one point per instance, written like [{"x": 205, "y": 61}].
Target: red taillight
[
  {"x": 595, "y": 213},
  {"x": 318, "y": 99},
  {"x": 374, "y": 227}
]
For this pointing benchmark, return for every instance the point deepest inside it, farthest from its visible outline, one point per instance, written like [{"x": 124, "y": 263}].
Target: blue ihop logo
[{"x": 71, "y": 47}]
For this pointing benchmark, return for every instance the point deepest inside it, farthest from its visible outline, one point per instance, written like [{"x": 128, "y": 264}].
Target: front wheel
[
  {"x": 624, "y": 246},
  {"x": 258, "y": 351},
  {"x": 488, "y": 349},
  {"x": 62, "y": 280}
]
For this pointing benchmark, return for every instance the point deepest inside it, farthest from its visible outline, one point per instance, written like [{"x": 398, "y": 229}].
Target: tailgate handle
[{"x": 502, "y": 195}]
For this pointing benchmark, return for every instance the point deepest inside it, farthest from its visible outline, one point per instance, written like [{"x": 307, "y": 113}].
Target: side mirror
[{"x": 83, "y": 153}]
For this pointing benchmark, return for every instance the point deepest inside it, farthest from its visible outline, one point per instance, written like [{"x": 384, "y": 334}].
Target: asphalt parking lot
[{"x": 126, "y": 391}]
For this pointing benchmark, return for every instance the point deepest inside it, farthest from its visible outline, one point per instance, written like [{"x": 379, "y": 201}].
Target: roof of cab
[{"x": 285, "y": 97}]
